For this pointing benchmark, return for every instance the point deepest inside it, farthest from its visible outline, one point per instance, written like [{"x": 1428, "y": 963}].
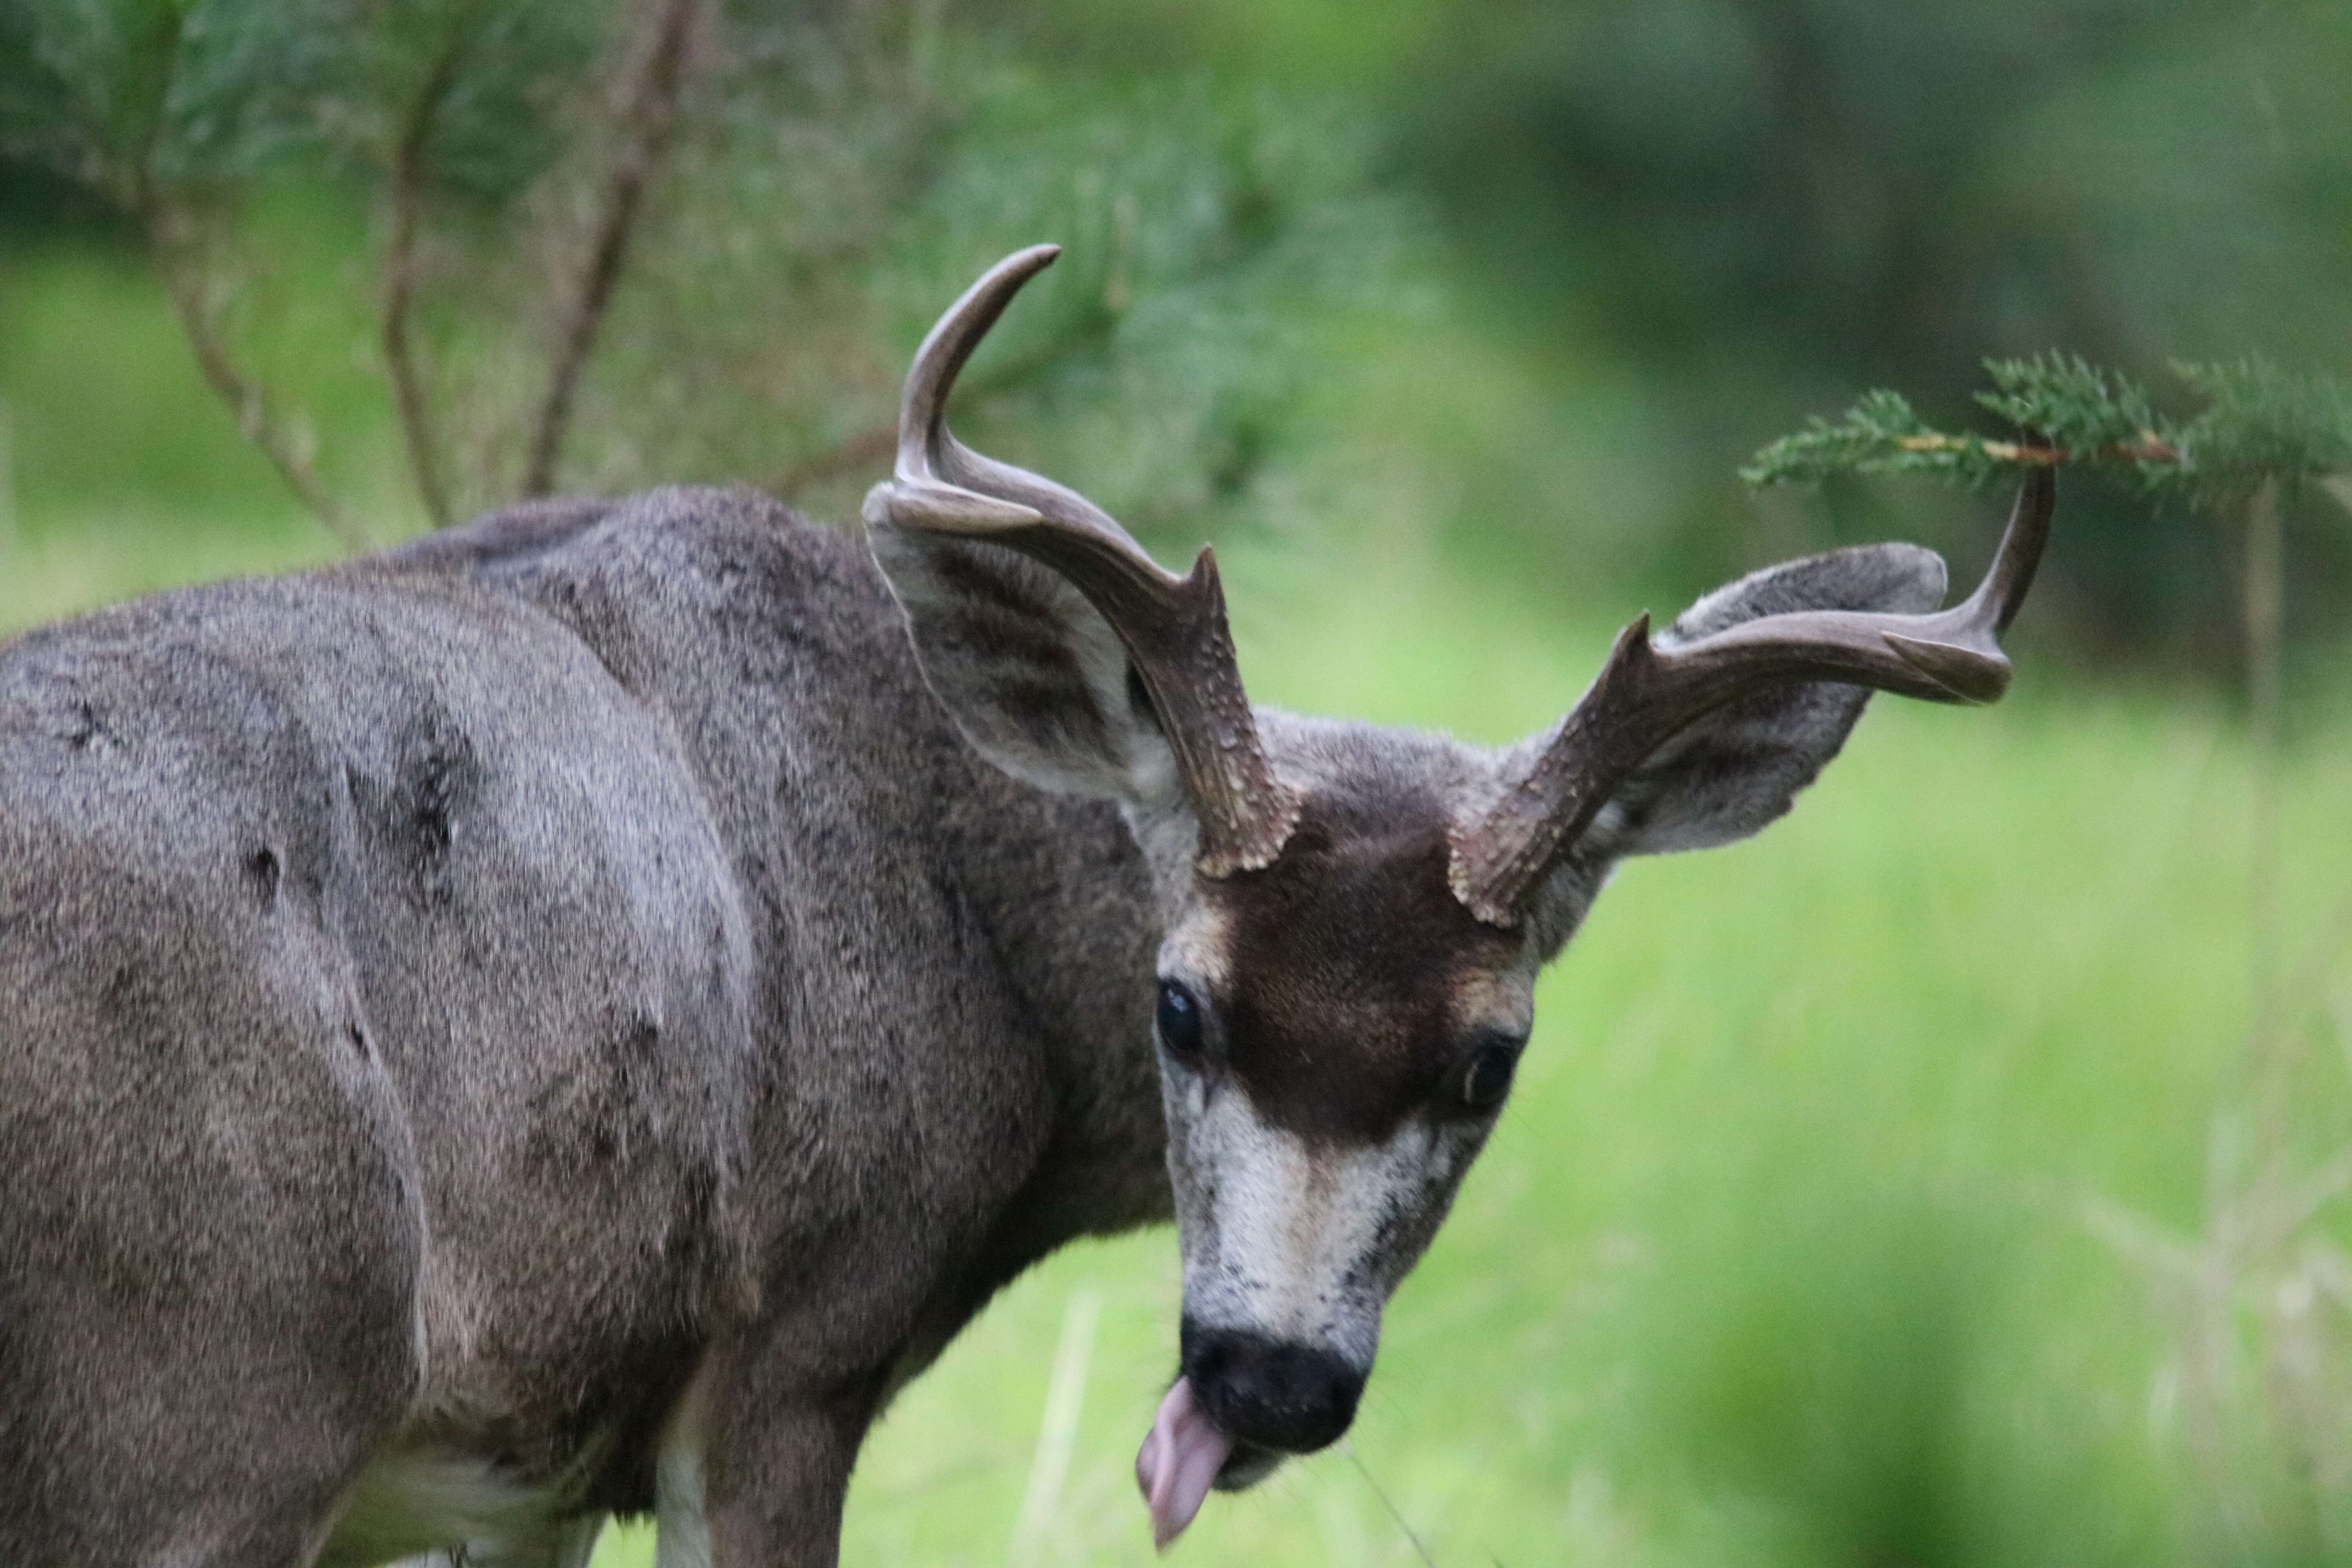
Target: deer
[{"x": 565, "y": 1017}]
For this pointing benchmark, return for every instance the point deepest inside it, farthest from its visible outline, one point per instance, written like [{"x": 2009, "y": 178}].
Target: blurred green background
[{"x": 1952, "y": 1175}]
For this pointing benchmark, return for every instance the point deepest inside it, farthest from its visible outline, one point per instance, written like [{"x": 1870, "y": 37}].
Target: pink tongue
[{"x": 1181, "y": 1456}]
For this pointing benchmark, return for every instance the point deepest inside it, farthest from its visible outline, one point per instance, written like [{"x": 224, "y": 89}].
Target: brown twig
[
  {"x": 645, "y": 103},
  {"x": 2148, "y": 449},
  {"x": 400, "y": 277},
  {"x": 171, "y": 232},
  {"x": 174, "y": 237}
]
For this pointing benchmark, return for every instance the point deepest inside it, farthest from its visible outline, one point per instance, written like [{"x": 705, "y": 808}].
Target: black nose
[{"x": 1291, "y": 1398}]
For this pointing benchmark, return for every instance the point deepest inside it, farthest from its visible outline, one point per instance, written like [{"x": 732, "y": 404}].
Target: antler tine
[
  {"x": 2011, "y": 576},
  {"x": 1172, "y": 628},
  {"x": 922, "y": 403},
  {"x": 1646, "y": 695}
]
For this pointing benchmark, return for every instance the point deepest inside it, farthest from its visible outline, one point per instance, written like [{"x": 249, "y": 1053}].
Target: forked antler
[
  {"x": 1646, "y": 695},
  {"x": 1174, "y": 627}
]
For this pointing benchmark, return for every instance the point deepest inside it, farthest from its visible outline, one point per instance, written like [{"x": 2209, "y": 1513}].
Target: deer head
[{"x": 1354, "y": 918}]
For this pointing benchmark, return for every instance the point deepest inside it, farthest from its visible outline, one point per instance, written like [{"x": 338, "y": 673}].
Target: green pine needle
[{"x": 2259, "y": 424}]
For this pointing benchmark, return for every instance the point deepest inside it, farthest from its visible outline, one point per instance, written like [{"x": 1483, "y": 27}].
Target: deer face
[
  {"x": 1354, "y": 917},
  {"x": 1337, "y": 1034}
]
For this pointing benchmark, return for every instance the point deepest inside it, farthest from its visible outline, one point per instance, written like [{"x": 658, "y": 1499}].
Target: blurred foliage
[
  {"x": 740, "y": 267},
  {"x": 1774, "y": 204},
  {"x": 1528, "y": 279},
  {"x": 1891, "y": 193}
]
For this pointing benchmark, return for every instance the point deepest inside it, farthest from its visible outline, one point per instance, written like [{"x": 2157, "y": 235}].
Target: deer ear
[
  {"x": 1032, "y": 674},
  {"x": 1742, "y": 765}
]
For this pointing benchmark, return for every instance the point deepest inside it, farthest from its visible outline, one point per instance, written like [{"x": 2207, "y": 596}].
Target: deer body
[
  {"x": 567, "y": 1016},
  {"x": 451, "y": 1001}
]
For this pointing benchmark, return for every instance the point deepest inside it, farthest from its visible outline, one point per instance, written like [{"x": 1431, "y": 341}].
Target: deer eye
[
  {"x": 1179, "y": 1021},
  {"x": 1482, "y": 1077}
]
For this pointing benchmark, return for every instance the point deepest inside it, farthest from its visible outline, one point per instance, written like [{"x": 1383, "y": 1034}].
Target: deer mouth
[
  {"x": 1248, "y": 1464},
  {"x": 1185, "y": 1456}
]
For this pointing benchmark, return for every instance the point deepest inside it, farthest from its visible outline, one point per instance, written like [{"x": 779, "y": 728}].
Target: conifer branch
[{"x": 2260, "y": 425}]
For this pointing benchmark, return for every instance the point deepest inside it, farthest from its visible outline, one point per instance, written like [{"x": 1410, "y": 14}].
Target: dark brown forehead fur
[{"x": 1344, "y": 958}]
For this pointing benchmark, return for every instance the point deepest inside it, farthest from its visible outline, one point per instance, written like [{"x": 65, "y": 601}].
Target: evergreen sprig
[{"x": 2259, "y": 423}]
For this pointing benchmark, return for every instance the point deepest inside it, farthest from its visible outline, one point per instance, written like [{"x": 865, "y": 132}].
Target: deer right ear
[
  {"x": 1032, "y": 674},
  {"x": 1740, "y": 767}
]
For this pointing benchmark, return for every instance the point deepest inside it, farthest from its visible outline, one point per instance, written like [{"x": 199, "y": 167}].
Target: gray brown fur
[{"x": 578, "y": 943}]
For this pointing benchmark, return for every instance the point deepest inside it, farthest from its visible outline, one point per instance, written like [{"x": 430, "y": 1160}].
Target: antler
[
  {"x": 1174, "y": 627},
  {"x": 1646, "y": 695}
]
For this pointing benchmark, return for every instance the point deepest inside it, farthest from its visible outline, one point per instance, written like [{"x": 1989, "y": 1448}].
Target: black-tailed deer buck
[{"x": 566, "y": 1017}]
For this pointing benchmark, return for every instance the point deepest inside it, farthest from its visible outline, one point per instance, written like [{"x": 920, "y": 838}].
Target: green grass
[{"x": 1779, "y": 1255}]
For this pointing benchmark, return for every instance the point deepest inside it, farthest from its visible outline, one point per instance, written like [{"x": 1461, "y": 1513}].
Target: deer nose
[{"x": 1291, "y": 1398}]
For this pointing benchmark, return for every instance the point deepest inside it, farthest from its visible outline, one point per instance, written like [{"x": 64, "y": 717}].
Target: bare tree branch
[
  {"x": 400, "y": 278},
  {"x": 175, "y": 238},
  {"x": 646, "y": 107},
  {"x": 175, "y": 234}
]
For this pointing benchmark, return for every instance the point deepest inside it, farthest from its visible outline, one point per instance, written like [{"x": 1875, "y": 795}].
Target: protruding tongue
[{"x": 1181, "y": 1456}]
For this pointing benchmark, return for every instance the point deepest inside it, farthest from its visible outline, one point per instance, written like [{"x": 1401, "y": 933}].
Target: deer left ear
[
  {"x": 1029, "y": 670},
  {"x": 1741, "y": 767}
]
